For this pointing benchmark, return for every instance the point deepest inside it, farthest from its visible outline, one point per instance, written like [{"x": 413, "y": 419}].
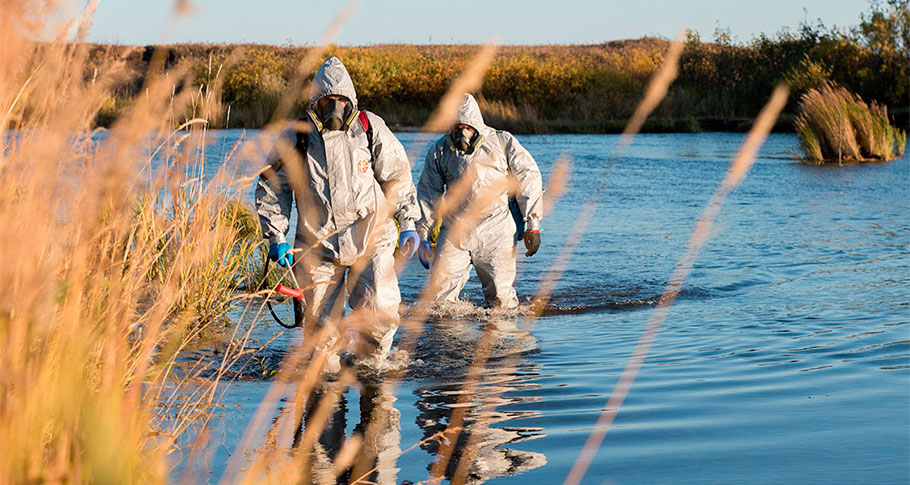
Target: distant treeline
[{"x": 554, "y": 88}]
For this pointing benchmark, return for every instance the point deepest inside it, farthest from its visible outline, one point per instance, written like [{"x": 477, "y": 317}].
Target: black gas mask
[
  {"x": 463, "y": 137},
  {"x": 333, "y": 110}
]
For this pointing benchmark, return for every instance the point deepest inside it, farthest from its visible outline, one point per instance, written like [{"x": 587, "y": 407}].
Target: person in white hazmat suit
[
  {"x": 485, "y": 159},
  {"x": 349, "y": 176}
]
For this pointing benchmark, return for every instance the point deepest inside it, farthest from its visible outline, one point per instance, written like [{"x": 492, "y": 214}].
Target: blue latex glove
[
  {"x": 281, "y": 253},
  {"x": 425, "y": 253},
  {"x": 408, "y": 242}
]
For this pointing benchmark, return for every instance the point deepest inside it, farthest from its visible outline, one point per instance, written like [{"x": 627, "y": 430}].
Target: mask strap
[
  {"x": 478, "y": 139},
  {"x": 315, "y": 119},
  {"x": 350, "y": 119}
]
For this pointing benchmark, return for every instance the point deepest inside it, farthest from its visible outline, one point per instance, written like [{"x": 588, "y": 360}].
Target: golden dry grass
[{"x": 115, "y": 254}]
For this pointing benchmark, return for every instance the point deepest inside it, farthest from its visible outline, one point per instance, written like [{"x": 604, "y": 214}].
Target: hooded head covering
[
  {"x": 332, "y": 78},
  {"x": 469, "y": 113}
]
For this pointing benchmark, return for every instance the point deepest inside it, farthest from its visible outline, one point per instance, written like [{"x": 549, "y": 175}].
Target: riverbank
[
  {"x": 610, "y": 127},
  {"x": 721, "y": 85}
]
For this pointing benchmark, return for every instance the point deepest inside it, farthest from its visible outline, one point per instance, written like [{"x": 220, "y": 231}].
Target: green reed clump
[
  {"x": 836, "y": 125},
  {"x": 224, "y": 259}
]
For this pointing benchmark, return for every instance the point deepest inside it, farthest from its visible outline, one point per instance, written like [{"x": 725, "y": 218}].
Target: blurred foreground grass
[{"x": 115, "y": 254}]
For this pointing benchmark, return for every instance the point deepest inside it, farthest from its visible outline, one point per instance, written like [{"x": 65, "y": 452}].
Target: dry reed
[
  {"x": 835, "y": 125},
  {"x": 739, "y": 167}
]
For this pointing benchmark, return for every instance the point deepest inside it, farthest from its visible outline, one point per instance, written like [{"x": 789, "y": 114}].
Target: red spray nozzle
[{"x": 291, "y": 292}]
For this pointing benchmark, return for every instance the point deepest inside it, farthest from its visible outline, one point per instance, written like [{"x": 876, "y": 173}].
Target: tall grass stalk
[
  {"x": 655, "y": 92},
  {"x": 739, "y": 168}
]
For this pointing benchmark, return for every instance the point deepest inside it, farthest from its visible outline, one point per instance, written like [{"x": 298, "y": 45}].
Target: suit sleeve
[
  {"x": 530, "y": 183},
  {"x": 274, "y": 195},
  {"x": 430, "y": 189},
  {"x": 393, "y": 172}
]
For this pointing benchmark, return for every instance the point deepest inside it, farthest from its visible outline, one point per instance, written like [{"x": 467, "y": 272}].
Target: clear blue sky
[{"x": 467, "y": 21}]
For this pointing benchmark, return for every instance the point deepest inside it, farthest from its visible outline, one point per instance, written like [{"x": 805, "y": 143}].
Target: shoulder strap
[
  {"x": 503, "y": 141},
  {"x": 365, "y": 122},
  {"x": 301, "y": 143},
  {"x": 502, "y": 138},
  {"x": 303, "y": 140}
]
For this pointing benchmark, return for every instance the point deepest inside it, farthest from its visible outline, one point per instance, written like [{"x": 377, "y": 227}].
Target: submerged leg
[
  {"x": 323, "y": 283},
  {"x": 450, "y": 272},
  {"x": 375, "y": 298},
  {"x": 495, "y": 266}
]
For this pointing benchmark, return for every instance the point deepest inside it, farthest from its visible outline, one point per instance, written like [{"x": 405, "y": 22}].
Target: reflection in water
[
  {"x": 480, "y": 451},
  {"x": 483, "y": 447},
  {"x": 378, "y": 435}
]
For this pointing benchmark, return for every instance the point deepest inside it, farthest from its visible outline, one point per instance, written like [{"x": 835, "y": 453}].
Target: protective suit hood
[
  {"x": 469, "y": 114},
  {"x": 332, "y": 78}
]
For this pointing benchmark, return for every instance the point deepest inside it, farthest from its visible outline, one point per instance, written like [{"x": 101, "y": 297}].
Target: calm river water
[{"x": 786, "y": 357}]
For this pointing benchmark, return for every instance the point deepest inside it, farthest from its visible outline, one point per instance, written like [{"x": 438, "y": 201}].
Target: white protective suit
[
  {"x": 489, "y": 242},
  {"x": 346, "y": 198}
]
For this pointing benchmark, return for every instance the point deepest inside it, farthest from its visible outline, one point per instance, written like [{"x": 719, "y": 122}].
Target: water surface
[{"x": 786, "y": 357}]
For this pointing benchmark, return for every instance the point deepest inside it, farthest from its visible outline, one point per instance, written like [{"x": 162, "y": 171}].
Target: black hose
[{"x": 298, "y": 307}]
